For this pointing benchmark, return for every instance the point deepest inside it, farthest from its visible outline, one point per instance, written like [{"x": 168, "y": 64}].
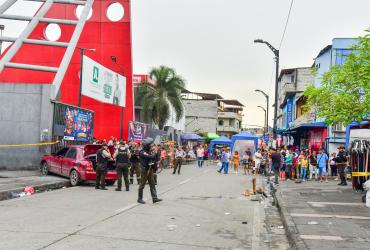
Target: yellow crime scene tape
[
  {"x": 28, "y": 145},
  {"x": 360, "y": 174}
]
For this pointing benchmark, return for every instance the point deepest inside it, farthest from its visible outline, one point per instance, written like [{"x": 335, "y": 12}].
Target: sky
[{"x": 210, "y": 42}]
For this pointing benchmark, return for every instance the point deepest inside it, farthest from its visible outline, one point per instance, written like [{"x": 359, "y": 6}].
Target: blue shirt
[{"x": 322, "y": 159}]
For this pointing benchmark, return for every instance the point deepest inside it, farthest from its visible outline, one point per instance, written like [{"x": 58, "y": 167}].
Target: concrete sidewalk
[
  {"x": 323, "y": 215},
  {"x": 12, "y": 183}
]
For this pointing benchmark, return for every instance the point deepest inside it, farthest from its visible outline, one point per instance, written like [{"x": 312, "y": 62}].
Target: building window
[
  {"x": 291, "y": 78},
  {"x": 220, "y": 122},
  {"x": 339, "y": 127}
]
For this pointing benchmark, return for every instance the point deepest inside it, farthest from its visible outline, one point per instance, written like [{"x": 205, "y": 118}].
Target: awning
[{"x": 309, "y": 125}]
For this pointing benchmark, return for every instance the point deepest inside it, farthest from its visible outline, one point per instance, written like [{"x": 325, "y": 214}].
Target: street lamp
[
  {"x": 114, "y": 59},
  {"x": 82, "y": 51},
  {"x": 276, "y": 53},
  {"x": 267, "y": 107},
  {"x": 2, "y": 27},
  {"x": 265, "y": 127}
]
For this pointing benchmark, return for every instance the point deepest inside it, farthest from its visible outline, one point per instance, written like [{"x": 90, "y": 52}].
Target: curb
[
  {"x": 290, "y": 229},
  {"x": 8, "y": 194}
]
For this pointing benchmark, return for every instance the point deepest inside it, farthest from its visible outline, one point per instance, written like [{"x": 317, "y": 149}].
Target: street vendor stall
[
  {"x": 219, "y": 141},
  {"x": 244, "y": 141}
]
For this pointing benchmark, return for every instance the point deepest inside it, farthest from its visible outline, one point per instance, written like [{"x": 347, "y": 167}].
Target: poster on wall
[
  {"x": 78, "y": 124},
  {"x": 137, "y": 131},
  {"x": 103, "y": 84}
]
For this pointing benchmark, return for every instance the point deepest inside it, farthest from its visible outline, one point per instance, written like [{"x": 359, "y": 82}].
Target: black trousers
[
  {"x": 135, "y": 169},
  {"x": 147, "y": 176},
  {"x": 178, "y": 164},
  {"x": 123, "y": 171},
  {"x": 342, "y": 175},
  {"x": 100, "y": 178}
]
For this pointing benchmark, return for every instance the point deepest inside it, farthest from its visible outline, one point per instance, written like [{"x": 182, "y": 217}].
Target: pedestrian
[
  {"x": 200, "y": 156},
  {"x": 313, "y": 165},
  {"x": 303, "y": 162},
  {"x": 179, "y": 157},
  {"x": 288, "y": 164},
  {"x": 333, "y": 166},
  {"x": 162, "y": 160},
  {"x": 246, "y": 162},
  {"x": 135, "y": 164},
  {"x": 275, "y": 164},
  {"x": 171, "y": 156},
  {"x": 148, "y": 157},
  {"x": 102, "y": 157},
  {"x": 322, "y": 161},
  {"x": 341, "y": 162},
  {"x": 236, "y": 161},
  {"x": 225, "y": 159},
  {"x": 122, "y": 156},
  {"x": 257, "y": 161}
]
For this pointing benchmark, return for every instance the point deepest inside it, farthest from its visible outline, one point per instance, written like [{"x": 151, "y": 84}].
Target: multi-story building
[
  {"x": 229, "y": 117},
  {"x": 334, "y": 54}
]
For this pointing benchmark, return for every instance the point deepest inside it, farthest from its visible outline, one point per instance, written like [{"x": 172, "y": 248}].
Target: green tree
[
  {"x": 344, "y": 95},
  {"x": 156, "y": 99}
]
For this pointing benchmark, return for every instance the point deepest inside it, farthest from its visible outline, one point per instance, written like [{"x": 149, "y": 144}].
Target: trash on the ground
[
  {"x": 197, "y": 225},
  {"x": 171, "y": 227},
  {"x": 23, "y": 194},
  {"x": 29, "y": 190},
  {"x": 244, "y": 222},
  {"x": 64, "y": 187},
  {"x": 280, "y": 227},
  {"x": 312, "y": 223},
  {"x": 227, "y": 213}
]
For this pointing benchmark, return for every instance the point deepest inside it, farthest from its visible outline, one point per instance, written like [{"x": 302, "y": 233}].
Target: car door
[
  {"x": 56, "y": 161},
  {"x": 69, "y": 161}
]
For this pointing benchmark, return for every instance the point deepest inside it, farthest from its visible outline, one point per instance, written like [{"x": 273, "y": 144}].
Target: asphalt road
[{"x": 202, "y": 209}]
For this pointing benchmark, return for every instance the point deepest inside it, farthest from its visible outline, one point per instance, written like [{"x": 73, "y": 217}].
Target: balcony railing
[
  {"x": 229, "y": 115},
  {"x": 228, "y": 129}
]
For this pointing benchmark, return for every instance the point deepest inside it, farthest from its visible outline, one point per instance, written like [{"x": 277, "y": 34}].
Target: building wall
[
  {"x": 25, "y": 111},
  {"x": 200, "y": 115}
]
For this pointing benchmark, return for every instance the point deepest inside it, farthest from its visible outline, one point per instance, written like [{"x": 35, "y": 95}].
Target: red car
[{"x": 78, "y": 162}]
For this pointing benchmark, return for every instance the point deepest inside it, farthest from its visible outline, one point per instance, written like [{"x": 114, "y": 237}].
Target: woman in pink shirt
[{"x": 200, "y": 156}]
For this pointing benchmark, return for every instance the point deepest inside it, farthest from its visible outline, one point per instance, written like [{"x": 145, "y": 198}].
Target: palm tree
[{"x": 156, "y": 99}]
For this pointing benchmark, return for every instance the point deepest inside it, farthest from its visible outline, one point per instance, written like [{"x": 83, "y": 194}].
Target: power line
[{"x": 286, "y": 23}]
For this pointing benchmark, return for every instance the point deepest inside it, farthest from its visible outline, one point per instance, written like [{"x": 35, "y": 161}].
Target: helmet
[{"x": 147, "y": 142}]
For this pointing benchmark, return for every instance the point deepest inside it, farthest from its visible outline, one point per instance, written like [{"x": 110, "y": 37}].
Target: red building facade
[{"x": 108, "y": 38}]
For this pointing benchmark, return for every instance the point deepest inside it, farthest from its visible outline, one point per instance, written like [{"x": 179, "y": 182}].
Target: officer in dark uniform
[
  {"x": 135, "y": 164},
  {"x": 341, "y": 161},
  {"x": 147, "y": 160},
  {"x": 122, "y": 156},
  {"x": 102, "y": 157}
]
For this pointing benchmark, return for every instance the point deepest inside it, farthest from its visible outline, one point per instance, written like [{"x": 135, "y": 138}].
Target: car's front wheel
[
  {"x": 44, "y": 168},
  {"x": 74, "y": 179}
]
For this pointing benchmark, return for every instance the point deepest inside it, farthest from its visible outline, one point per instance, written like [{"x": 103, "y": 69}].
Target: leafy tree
[
  {"x": 156, "y": 99},
  {"x": 344, "y": 95}
]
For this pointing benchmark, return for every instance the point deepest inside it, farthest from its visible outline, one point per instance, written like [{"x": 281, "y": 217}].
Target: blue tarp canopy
[
  {"x": 219, "y": 141},
  {"x": 191, "y": 137},
  {"x": 242, "y": 141}
]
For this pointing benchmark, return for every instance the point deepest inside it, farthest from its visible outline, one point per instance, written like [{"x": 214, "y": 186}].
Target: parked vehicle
[{"x": 78, "y": 163}]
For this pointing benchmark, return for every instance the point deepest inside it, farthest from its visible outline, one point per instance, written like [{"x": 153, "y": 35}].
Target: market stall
[
  {"x": 219, "y": 141},
  {"x": 244, "y": 141}
]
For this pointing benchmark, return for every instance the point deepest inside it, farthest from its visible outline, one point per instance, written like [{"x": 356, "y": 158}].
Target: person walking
[
  {"x": 288, "y": 164},
  {"x": 341, "y": 162},
  {"x": 322, "y": 161},
  {"x": 313, "y": 165},
  {"x": 275, "y": 164},
  {"x": 102, "y": 157},
  {"x": 200, "y": 156},
  {"x": 236, "y": 161},
  {"x": 246, "y": 162},
  {"x": 303, "y": 162},
  {"x": 225, "y": 159},
  {"x": 179, "y": 157},
  {"x": 122, "y": 156},
  {"x": 148, "y": 158},
  {"x": 257, "y": 161},
  {"x": 135, "y": 164}
]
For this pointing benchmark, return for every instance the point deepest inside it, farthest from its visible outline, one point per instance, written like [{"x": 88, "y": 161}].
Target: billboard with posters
[
  {"x": 78, "y": 124},
  {"x": 103, "y": 84},
  {"x": 137, "y": 131}
]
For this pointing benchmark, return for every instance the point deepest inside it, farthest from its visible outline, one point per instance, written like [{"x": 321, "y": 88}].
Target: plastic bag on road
[{"x": 29, "y": 190}]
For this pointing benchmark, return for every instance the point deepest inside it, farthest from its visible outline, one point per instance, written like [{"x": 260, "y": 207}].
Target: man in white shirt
[{"x": 257, "y": 161}]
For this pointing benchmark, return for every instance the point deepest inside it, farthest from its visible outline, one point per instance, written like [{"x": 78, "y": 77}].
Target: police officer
[
  {"x": 135, "y": 165},
  {"x": 102, "y": 157},
  {"x": 147, "y": 160},
  {"x": 122, "y": 156},
  {"x": 341, "y": 161},
  {"x": 179, "y": 156}
]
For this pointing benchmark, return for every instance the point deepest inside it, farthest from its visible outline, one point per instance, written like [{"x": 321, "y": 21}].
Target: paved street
[{"x": 202, "y": 209}]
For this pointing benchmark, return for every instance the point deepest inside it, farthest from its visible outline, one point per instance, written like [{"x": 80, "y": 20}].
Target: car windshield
[{"x": 62, "y": 152}]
